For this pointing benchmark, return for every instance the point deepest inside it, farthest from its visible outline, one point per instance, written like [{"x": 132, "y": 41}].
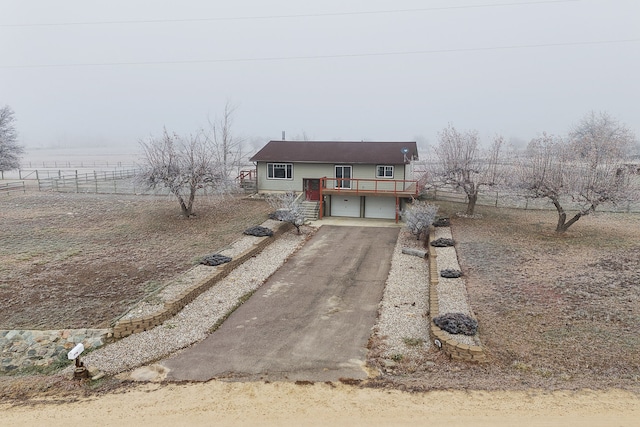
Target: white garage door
[
  {"x": 380, "y": 207},
  {"x": 345, "y": 206}
]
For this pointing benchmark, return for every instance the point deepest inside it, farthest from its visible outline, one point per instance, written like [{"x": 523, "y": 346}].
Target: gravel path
[
  {"x": 403, "y": 324},
  {"x": 402, "y": 314}
]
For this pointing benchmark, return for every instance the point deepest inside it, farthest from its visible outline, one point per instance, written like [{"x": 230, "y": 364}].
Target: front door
[{"x": 312, "y": 189}]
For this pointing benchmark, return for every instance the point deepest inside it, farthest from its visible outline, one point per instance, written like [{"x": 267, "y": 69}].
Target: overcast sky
[{"x": 109, "y": 73}]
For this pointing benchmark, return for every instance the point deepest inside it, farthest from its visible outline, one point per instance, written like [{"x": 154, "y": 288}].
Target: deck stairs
[{"x": 310, "y": 210}]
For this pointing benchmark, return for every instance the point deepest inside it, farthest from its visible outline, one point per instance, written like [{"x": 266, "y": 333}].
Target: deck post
[{"x": 397, "y": 208}]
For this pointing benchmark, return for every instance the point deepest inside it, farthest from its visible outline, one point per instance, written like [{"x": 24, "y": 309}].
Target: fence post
[
  {"x": 95, "y": 178},
  {"x": 496, "y": 199},
  {"x": 526, "y": 203}
]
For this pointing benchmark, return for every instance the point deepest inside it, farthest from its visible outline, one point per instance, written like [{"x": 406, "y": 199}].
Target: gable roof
[{"x": 364, "y": 152}]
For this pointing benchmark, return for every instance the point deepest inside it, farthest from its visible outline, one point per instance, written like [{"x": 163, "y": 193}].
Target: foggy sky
[{"x": 332, "y": 74}]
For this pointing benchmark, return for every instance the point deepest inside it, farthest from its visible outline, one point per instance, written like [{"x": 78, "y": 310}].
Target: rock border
[{"x": 448, "y": 344}]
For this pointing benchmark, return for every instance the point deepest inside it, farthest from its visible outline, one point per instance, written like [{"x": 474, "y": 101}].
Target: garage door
[
  {"x": 345, "y": 206},
  {"x": 380, "y": 207}
]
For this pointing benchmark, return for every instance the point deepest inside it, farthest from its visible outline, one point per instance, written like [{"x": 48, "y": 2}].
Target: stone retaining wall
[
  {"x": 450, "y": 346},
  {"x": 127, "y": 327},
  {"x": 25, "y": 348}
]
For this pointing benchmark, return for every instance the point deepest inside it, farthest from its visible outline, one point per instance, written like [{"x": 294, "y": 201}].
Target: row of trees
[{"x": 588, "y": 167}]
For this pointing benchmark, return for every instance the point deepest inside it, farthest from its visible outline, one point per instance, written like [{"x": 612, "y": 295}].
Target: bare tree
[
  {"x": 287, "y": 208},
  {"x": 227, "y": 147},
  {"x": 183, "y": 166},
  {"x": 463, "y": 164},
  {"x": 418, "y": 217},
  {"x": 10, "y": 151},
  {"x": 583, "y": 171}
]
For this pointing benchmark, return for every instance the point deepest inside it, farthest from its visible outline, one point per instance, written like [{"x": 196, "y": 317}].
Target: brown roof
[{"x": 337, "y": 152}]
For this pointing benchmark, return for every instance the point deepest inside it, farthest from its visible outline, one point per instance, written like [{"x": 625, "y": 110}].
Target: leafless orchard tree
[
  {"x": 463, "y": 164},
  {"x": 586, "y": 169},
  {"x": 183, "y": 165},
  {"x": 287, "y": 208},
  {"x": 418, "y": 216},
  {"x": 227, "y": 147},
  {"x": 10, "y": 151}
]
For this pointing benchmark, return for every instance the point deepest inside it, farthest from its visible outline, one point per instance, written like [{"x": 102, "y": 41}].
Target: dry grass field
[{"x": 77, "y": 261}]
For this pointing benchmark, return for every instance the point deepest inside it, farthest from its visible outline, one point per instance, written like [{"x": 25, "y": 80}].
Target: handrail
[
  {"x": 375, "y": 186},
  {"x": 247, "y": 174}
]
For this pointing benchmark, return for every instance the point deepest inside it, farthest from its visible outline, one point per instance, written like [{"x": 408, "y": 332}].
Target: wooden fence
[
  {"x": 88, "y": 182},
  {"x": 10, "y": 187}
]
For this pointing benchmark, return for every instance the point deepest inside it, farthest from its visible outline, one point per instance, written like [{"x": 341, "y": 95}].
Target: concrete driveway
[{"x": 310, "y": 321}]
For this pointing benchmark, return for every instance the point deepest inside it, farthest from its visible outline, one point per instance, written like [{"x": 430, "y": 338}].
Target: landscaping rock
[
  {"x": 443, "y": 242},
  {"x": 450, "y": 273},
  {"x": 215, "y": 259},
  {"x": 259, "y": 231},
  {"x": 415, "y": 252},
  {"x": 456, "y": 323}
]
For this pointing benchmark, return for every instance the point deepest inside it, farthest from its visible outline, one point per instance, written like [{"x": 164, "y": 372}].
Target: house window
[
  {"x": 343, "y": 176},
  {"x": 279, "y": 170},
  {"x": 384, "y": 171}
]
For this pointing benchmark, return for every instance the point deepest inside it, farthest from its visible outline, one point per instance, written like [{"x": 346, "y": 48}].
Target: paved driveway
[{"x": 310, "y": 321}]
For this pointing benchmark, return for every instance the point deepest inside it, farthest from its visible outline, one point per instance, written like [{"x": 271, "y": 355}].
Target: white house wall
[{"x": 319, "y": 170}]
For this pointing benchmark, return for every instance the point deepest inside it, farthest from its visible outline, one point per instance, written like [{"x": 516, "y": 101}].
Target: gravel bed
[
  {"x": 402, "y": 313},
  {"x": 193, "y": 323},
  {"x": 452, "y": 293}
]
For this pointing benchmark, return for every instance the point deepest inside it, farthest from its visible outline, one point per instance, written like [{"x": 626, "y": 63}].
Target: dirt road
[{"x": 248, "y": 404}]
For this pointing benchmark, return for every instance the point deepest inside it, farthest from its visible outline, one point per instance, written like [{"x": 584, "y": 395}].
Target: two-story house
[{"x": 347, "y": 178}]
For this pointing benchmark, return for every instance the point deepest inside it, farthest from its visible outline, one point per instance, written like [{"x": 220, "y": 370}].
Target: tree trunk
[
  {"x": 471, "y": 205},
  {"x": 563, "y": 225}
]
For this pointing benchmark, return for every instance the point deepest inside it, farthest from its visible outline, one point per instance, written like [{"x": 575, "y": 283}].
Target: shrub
[
  {"x": 456, "y": 323},
  {"x": 443, "y": 242}
]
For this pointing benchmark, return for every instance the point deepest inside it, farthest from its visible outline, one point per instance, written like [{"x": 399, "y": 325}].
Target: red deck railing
[{"x": 396, "y": 187}]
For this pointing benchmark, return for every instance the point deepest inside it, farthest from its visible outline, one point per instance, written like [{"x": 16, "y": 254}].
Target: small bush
[
  {"x": 258, "y": 231},
  {"x": 456, "y": 323},
  {"x": 450, "y": 273},
  {"x": 443, "y": 242},
  {"x": 214, "y": 259},
  {"x": 442, "y": 222}
]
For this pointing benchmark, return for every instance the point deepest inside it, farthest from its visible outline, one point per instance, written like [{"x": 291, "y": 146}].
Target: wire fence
[{"x": 515, "y": 201}]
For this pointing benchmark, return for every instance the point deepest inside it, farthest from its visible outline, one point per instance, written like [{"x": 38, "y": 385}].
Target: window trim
[
  {"x": 342, "y": 181},
  {"x": 286, "y": 166},
  {"x": 384, "y": 176}
]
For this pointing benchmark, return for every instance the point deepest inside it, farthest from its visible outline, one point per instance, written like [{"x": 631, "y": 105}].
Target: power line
[
  {"x": 315, "y": 57},
  {"x": 304, "y": 15}
]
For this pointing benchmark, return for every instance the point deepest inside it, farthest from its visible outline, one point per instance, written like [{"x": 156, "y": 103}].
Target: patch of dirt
[
  {"x": 78, "y": 261},
  {"x": 555, "y": 312}
]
